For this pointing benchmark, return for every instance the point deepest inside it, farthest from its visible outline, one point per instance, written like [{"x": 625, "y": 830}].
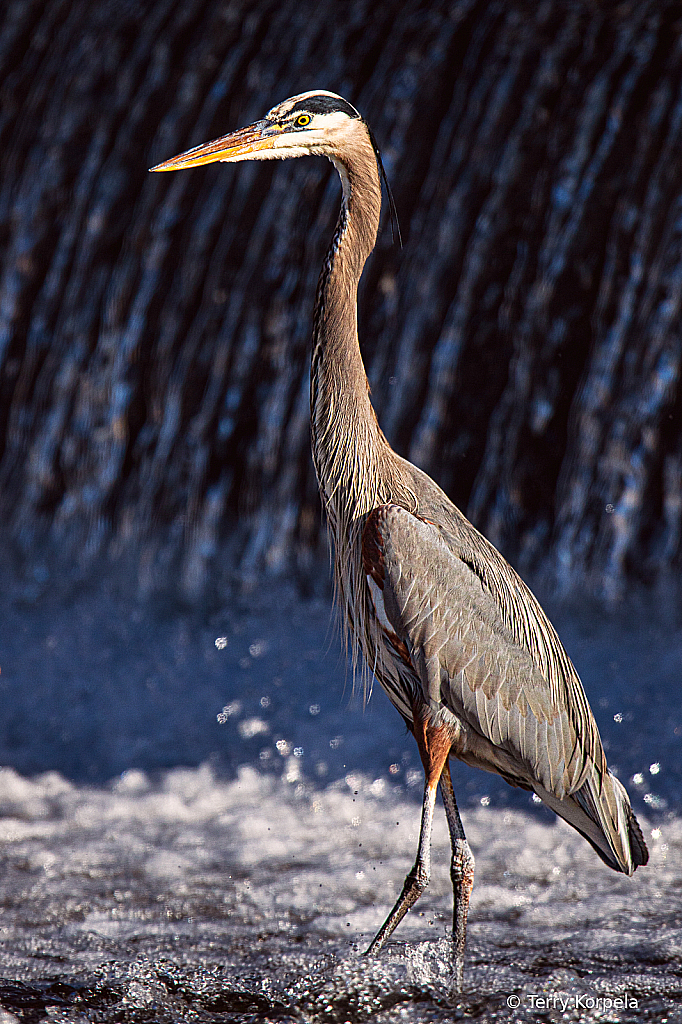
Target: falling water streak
[{"x": 153, "y": 333}]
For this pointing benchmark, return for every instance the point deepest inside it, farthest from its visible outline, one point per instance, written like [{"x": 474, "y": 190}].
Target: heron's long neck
[
  {"x": 349, "y": 450},
  {"x": 356, "y": 468}
]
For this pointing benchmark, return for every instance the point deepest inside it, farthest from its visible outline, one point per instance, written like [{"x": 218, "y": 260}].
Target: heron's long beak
[{"x": 239, "y": 145}]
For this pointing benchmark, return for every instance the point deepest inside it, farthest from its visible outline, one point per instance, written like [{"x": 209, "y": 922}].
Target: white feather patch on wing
[{"x": 378, "y": 601}]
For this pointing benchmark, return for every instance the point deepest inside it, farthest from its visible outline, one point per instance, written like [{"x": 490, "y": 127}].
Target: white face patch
[
  {"x": 317, "y": 138},
  {"x": 319, "y": 130}
]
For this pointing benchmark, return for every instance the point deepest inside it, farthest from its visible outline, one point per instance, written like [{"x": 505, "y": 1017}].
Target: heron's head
[{"x": 316, "y": 123}]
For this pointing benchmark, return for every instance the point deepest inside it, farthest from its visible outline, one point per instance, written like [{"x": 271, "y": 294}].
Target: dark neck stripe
[{"x": 324, "y": 105}]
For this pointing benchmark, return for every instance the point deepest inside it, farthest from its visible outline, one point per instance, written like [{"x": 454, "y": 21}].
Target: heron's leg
[
  {"x": 418, "y": 878},
  {"x": 434, "y": 747},
  {"x": 461, "y": 872}
]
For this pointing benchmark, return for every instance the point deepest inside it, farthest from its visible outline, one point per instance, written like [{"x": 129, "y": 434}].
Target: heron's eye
[{"x": 302, "y": 120}]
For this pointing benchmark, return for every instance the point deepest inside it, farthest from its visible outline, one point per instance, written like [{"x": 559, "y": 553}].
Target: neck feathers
[
  {"x": 347, "y": 442},
  {"x": 356, "y": 468}
]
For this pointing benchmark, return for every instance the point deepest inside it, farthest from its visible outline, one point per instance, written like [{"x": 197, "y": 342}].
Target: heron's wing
[{"x": 467, "y": 658}]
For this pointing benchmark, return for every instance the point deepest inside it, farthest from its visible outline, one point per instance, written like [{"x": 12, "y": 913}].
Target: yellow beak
[{"x": 239, "y": 145}]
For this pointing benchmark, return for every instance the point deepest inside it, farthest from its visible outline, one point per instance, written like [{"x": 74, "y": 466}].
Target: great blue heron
[{"x": 456, "y": 639}]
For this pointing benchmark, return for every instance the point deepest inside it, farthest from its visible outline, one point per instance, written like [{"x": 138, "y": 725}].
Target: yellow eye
[{"x": 302, "y": 121}]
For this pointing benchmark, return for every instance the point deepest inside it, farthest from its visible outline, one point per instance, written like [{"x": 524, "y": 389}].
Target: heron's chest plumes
[
  {"x": 346, "y": 446},
  {"x": 357, "y": 471},
  {"x": 350, "y": 479}
]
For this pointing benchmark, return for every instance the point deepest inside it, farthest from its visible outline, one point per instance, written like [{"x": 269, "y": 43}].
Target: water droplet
[
  {"x": 251, "y": 727},
  {"x": 230, "y": 709}
]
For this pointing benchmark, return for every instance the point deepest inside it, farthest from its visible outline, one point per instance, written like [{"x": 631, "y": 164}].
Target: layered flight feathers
[{"x": 524, "y": 712}]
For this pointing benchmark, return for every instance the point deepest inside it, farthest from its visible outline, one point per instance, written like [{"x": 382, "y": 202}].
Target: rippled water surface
[{"x": 202, "y": 832}]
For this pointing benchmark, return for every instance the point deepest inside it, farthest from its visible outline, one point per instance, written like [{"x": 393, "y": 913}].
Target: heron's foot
[
  {"x": 462, "y": 874},
  {"x": 415, "y": 884}
]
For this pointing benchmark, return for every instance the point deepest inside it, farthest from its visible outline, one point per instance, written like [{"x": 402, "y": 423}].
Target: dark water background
[{"x": 523, "y": 346}]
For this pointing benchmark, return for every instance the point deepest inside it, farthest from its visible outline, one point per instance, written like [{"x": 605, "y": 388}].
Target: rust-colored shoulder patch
[
  {"x": 373, "y": 545},
  {"x": 374, "y": 564},
  {"x": 374, "y": 531}
]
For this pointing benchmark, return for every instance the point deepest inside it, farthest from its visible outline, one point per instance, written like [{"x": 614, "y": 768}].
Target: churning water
[{"x": 200, "y": 824}]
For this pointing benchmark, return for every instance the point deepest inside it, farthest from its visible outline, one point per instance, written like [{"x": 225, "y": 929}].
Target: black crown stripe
[{"x": 324, "y": 105}]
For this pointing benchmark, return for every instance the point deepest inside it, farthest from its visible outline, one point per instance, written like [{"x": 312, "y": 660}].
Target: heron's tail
[{"x": 600, "y": 810}]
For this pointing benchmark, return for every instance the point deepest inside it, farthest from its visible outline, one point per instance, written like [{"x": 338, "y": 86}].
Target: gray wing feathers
[
  {"x": 530, "y": 629},
  {"x": 467, "y": 658},
  {"x": 508, "y": 679},
  {"x": 601, "y": 811}
]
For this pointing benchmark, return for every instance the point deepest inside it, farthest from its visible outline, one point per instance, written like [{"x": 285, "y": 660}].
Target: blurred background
[{"x": 523, "y": 347}]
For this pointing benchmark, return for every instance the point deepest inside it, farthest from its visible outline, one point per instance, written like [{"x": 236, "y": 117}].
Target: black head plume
[{"x": 395, "y": 226}]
